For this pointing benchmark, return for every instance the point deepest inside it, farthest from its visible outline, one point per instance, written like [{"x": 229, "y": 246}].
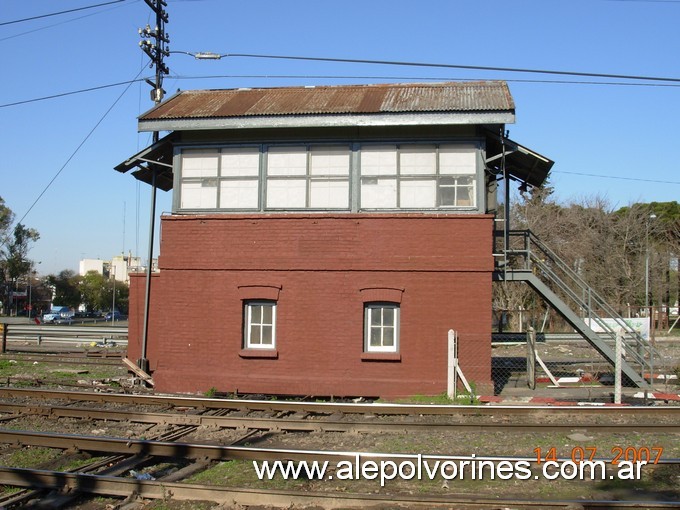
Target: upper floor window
[
  {"x": 327, "y": 177},
  {"x": 220, "y": 179},
  {"x": 308, "y": 178},
  {"x": 418, "y": 176}
]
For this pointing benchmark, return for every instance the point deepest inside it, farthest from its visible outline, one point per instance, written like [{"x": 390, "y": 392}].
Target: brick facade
[{"x": 321, "y": 269}]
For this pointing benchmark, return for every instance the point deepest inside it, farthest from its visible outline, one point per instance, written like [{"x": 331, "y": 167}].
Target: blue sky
[{"x": 91, "y": 211}]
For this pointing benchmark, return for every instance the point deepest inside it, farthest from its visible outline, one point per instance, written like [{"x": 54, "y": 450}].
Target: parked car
[
  {"x": 63, "y": 320},
  {"x": 116, "y": 316}
]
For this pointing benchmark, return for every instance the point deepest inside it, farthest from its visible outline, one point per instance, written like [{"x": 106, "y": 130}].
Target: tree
[
  {"x": 16, "y": 260},
  {"x": 66, "y": 288},
  {"x": 95, "y": 291},
  {"x": 6, "y": 218},
  {"x": 14, "y": 248}
]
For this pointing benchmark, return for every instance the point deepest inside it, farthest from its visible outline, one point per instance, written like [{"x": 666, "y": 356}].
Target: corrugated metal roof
[{"x": 343, "y": 99}]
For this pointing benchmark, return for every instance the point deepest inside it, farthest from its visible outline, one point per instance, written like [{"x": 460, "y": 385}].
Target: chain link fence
[{"x": 562, "y": 359}]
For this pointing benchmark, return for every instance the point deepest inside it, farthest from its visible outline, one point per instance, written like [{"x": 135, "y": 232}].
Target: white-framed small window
[
  {"x": 381, "y": 330},
  {"x": 259, "y": 328}
]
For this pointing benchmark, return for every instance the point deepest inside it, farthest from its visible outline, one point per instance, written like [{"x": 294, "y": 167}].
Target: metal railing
[
  {"x": 67, "y": 334},
  {"x": 530, "y": 254}
]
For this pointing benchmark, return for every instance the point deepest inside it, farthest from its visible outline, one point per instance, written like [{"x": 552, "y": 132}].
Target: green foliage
[
  {"x": 16, "y": 252},
  {"x": 66, "y": 288},
  {"x": 211, "y": 392},
  {"x": 30, "y": 456}
]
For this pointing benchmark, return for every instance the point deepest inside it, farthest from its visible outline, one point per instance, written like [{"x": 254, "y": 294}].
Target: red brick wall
[{"x": 319, "y": 264}]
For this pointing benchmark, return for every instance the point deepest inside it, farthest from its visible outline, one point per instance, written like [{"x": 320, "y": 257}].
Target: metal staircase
[{"x": 527, "y": 259}]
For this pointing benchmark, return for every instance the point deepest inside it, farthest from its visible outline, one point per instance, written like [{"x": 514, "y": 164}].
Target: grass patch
[
  {"x": 440, "y": 399},
  {"x": 30, "y": 456}
]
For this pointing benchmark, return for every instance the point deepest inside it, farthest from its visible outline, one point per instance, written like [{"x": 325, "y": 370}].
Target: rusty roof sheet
[{"x": 481, "y": 96}]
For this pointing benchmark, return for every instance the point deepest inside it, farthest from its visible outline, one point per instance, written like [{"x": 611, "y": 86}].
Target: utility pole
[{"x": 155, "y": 44}]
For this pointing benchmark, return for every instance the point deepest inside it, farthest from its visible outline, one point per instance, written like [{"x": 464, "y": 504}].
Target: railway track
[
  {"x": 179, "y": 417},
  {"x": 332, "y": 420},
  {"x": 141, "y": 450},
  {"x": 114, "y": 486}
]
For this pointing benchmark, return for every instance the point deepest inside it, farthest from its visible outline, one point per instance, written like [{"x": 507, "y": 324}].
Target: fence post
[
  {"x": 617, "y": 367},
  {"x": 4, "y": 327},
  {"x": 531, "y": 358},
  {"x": 452, "y": 375}
]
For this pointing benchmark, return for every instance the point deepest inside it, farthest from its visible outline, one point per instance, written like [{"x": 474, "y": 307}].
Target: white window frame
[
  {"x": 308, "y": 183},
  {"x": 248, "y": 308},
  {"x": 393, "y": 178},
  {"x": 370, "y": 309}
]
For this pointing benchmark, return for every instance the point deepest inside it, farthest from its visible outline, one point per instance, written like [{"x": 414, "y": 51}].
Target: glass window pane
[
  {"x": 329, "y": 161},
  {"x": 379, "y": 160},
  {"x": 327, "y": 194},
  {"x": 284, "y": 193},
  {"x": 199, "y": 163},
  {"x": 388, "y": 337},
  {"x": 267, "y": 314},
  {"x": 378, "y": 193},
  {"x": 255, "y": 314},
  {"x": 447, "y": 196},
  {"x": 375, "y": 340},
  {"x": 287, "y": 161},
  {"x": 198, "y": 195},
  {"x": 457, "y": 159},
  {"x": 240, "y": 162},
  {"x": 267, "y": 335},
  {"x": 465, "y": 196},
  {"x": 239, "y": 194},
  {"x": 417, "y": 159},
  {"x": 388, "y": 316},
  {"x": 255, "y": 334},
  {"x": 375, "y": 315},
  {"x": 418, "y": 193}
]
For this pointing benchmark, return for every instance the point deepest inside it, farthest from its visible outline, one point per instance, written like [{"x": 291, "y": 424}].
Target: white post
[
  {"x": 113, "y": 304},
  {"x": 452, "y": 365},
  {"x": 617, "y": 367}
]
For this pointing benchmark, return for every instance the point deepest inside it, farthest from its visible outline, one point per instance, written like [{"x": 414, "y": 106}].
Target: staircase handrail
[{"x": 593, "y": 298}]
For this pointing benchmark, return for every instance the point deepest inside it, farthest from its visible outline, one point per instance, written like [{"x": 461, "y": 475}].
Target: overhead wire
[
  {"x": 618, "y": 177},
  {"x": 445, "y": 66},
  {"x": 45, "y": 27},
  {"x": 338, "y": 77},
  {"x": 41, "y": 16},
  {"x": 49, "y": 184}
]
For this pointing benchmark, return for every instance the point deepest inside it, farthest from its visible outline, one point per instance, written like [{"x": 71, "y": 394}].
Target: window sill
[
  {"x": 259, "y": 353},
  {"x": 380, "y": 356}
]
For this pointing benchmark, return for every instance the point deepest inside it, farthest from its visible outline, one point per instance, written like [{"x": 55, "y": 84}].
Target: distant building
[{"x": 119, "y": 267}]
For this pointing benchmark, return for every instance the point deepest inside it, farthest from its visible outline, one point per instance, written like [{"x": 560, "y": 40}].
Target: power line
[
  {"x": 60, "y": 23},
  {"x": 618, "y": 177},
  {"x": 81, "y": 145},
  {"x": 423, "y": 78},
  {"x": 217, "y": 56},
  {"x": 59, "y": 13},
  {"x": 73, "y": 92},
  {"x": 339, "y": 77}
]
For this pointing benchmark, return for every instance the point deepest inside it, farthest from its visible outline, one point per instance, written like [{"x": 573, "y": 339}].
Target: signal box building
[{"x": 324, "y": 240}]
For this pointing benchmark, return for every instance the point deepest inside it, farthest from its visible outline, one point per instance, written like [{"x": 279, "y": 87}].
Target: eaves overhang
[
  {"x": 156, "y": 158},
  {"x": 521, "y": 163},
  {"x": 326, "y": 121}
]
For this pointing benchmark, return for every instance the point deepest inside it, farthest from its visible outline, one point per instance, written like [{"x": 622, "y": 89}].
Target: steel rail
[
  {"x": 115, "y": 464},
  {"x": 168, "y": 449},
  {"x": 336, "y": 407},
  {"x": 123, "y": 487},
  {"x": 326, "y": 424},
  {"x": 67, "y": 359}
]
